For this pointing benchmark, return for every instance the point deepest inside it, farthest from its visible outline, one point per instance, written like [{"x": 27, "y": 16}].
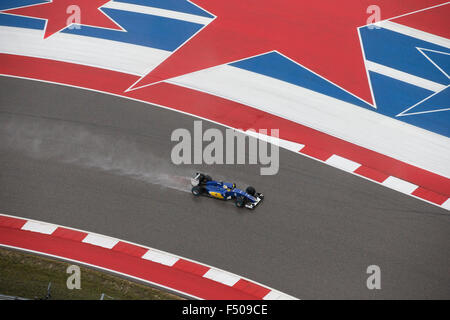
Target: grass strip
[{"x": 28, "y": 275}]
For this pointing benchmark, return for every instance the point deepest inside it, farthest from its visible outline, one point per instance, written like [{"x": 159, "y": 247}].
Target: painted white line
[
  {"x": 342, "y": 163},
  {"x": 415, "y": 33},
  {"x": 399, "y": 185},
  {"x": 88, "y": 51},
  {"x": 446, "y": 204},
  {"x": 286, "y": 144},
  {"x": 404, "y": 77},
  {"x": 222, "y": 276},
  {"x": 277, "y": 295},
  {"x": 410, "y": 110},
  {"x": 41, "y": 227},
  {"x": 157, "y": 12},
  {"x": 101, "y": 241},
  {"x": 160, "y": 257},
  {"x": 423, "y": 50}
]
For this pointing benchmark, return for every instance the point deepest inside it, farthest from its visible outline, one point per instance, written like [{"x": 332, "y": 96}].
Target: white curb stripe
[
  {"x": 277, "y": 295},
  {"x": 292, "y": 146},
  {"x": 446, "y": 204},
  {"x": 391, "y": 182},
  {"x": 222, "y": 277},
  {"x": 399, "y": 185},
  {"x": 286, "y": 144},
  {"x": 342, "y": 163},
  {"x": 40, "y": 227},
  {"x": 160, "y": 257},
  {"x": 101, "y": 241}
]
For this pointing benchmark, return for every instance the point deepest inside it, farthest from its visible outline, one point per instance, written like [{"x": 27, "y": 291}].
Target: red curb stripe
[
  {"x": 316, "y": 153},
  {"x": 130, "y": 249},
  {"x": 186, "y": 277},
  {"x": 188, "y": 283},
  {"x": 69, "y": 234},
  {"x": 251, "y": 288},
  {"x": 429, "y": 195},
  {"x": 371, "y": 174},
  {"x": 13, "y": 223},
  {"x": 389, "y": 166},
  {"x": 191, "y": 267}
]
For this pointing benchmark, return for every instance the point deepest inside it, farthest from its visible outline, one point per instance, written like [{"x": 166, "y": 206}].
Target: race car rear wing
[{"x": 195, "y": 181}]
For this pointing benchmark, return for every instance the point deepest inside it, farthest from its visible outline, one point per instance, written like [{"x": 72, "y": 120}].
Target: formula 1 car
[{"x": 203, "y": 184}]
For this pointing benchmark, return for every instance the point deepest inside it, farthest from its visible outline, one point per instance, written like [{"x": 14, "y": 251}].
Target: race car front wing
[{"x": 252, "y": 205}]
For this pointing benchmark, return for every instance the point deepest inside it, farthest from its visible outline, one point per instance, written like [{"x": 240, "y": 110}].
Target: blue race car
[{"x": 203, "y": 184}]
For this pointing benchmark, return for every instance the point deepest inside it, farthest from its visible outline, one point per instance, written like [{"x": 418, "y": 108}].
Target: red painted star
[
  {"x": 58, "y": 14},
  {"x": 321, "y": 35}
]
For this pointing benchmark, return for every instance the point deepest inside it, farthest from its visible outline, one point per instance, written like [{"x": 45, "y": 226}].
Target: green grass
[{"x": 27, "y": 275}]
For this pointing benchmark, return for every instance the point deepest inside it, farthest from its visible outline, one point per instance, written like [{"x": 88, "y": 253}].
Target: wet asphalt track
[{"x": 313, "y": 237}]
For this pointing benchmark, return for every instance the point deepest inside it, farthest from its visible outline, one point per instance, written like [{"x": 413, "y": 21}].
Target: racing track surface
[{"x": 89, "y": 161}]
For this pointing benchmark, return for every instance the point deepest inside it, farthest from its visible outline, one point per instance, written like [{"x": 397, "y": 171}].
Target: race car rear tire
[
  {"x": 251, "y": 191},
  {"x": 197, "y": 191},
  {"x": 240, "y": 202}
]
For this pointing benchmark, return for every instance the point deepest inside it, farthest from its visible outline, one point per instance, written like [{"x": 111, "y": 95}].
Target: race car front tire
[
  {"x": 197, "y": 191},
  {"x": 240, "y": 202}
]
